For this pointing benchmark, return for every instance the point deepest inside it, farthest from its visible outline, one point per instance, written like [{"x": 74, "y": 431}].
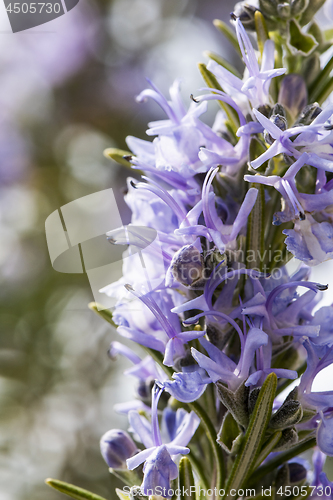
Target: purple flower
[
  {"x": 324, "y": 319},
  {"x": 159, "y": 466},
  {"x": 320, "y": 480},
  {"x": 176, "y": 149},
  {"x": 175, "y": 338},
  {"x": 188, "y": 385},
  {"x": 325, "y": 435},
  {"x": 310, "y": 240},
  {"x": 314, "y": 139},
  {"x": 214, "y": 229},
  {"x": 255, "y": 87}
]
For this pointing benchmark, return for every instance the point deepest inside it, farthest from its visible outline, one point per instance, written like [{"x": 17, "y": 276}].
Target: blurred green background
[{"x": 67, "y": 93}]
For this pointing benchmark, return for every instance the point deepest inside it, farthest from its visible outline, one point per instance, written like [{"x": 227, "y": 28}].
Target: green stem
[
  {"x": 72, "y": 491},
  {"x": 281, "y": 459},
  {"x": 255, "y": 232},
  {"x": 320, "y": 82},
  {"x": 197, "y": 466},
  {"x": 273, "y": 441},
  {"x": 211, "y": 434}
]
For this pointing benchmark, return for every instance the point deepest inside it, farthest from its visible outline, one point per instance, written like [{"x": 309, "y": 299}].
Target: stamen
[
  {"x": 136, "y": 241},
  {"x": 293, "y": 199},
  {"x": 219, "y": 314},
  {"x": 274, "y": 293},
  {"x": 158, "y": 97},
  {"x": 172, "y": 178},
  {"x": 164, "y": 195},
  {"x": 154, "y": 308},
  {"x": 111, "y": 240},
  {"x": 233, "y": 16},
  {"x": 214, "y": 282},
  {"x": 156, "y": 394},
  {"x": 118, "y": 348},
  {"x": 193, "y": 99},
  {"x": 205, "y": 193}
]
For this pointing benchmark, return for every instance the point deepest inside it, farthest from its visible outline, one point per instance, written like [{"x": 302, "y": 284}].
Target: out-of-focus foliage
[{"x": 67, "y": 94}]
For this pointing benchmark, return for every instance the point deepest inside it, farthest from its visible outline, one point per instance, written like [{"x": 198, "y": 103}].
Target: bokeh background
[{"x": 67, "y": 92}]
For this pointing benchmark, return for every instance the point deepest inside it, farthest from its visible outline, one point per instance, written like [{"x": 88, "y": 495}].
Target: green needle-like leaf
[
  {"x": 118, "y": 156},
  {"x": 261, "y": 29},
  {"x": 328, "y": 34},
  {"x": 268, "y": 447},
  {"x": 122, "y": 495},
  {"x": 186, "y": 480},
  {"x": 228, "y": 33},
  {"x": 104, "y": 313},
  {"x": 255, "y": 243},
  {"x": 222, "y": 62},
  {"x": 254, "y": 436},
  {"x": 320, "y": 82},
  {"x": 72, "y": 491},
  {"x": 129, "y": 477},
  {"x": 211, "y": 434},
  {"x": 281, "y": 458},
  {"x": 212, "y": 82},
  {"x": 326, "y": 91}
]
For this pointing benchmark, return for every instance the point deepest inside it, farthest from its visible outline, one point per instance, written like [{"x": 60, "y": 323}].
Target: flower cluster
[{"x": 225, "y": 334}]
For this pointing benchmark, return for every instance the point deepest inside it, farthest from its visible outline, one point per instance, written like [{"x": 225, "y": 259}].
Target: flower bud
[
  {"x": 217, "y": 335},
  {"x": 310, "y": 10},
  {"x": 293, "y": 93},
  {"x": 278, "y": 117},
  {"x": 289, "y": 414},
  {"x": 284, "y": 10},
  {"x": 245, "y": 14},
  {"x": 290, "y": 474},
  {"x": 297, "y": 472},
  {"x": 288, "y": 439},
  {"x": 116, "y": 447},
  {"x": 268, "y": 7},
  {"x": 143, "y": 390},
  {"x": 253, "y": 396},
  {"x": 308, "y": 114},
  {"x": 298, "y": 6},
  {"x": 187, "y": 266}
]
